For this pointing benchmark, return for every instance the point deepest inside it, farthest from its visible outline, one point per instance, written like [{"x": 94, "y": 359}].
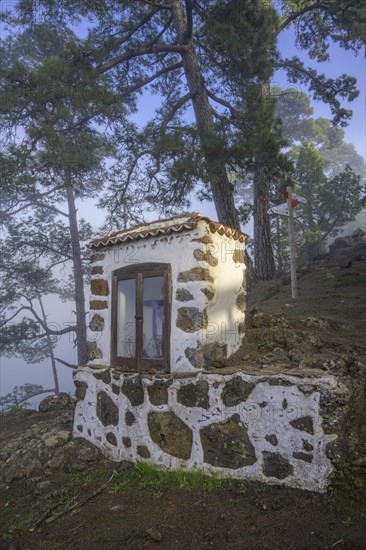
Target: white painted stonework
[
  {"x": 266, "y": 414},
  {"x": 177, "y": 249},
  {"x": 266, "y": 428}
]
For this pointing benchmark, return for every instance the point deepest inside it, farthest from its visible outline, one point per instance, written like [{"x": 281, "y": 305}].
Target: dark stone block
[
  {"x": 97, "y": 270},
  {"x": 107, "y": 412},
  {"x": 98, "y": 304},
  {"x": 207, "y": 355},
  {"x": 115, "y": 389},
  {"x": 93, "y": 352},
  {"x": 191, "y": 319},
  {"x": 241, "y": 301},
  {"x": 99, "y": 287},
  {"x": 206, "y": 239},
  {"x": 143, "y": 451},
  {"x": 96, "y": 323},
  {"x": 275, "y": 465},
  {"x": 227, "y": 445},
  {"x": 158, "y": 392},
  {"x": 195, "y": 274},
  {"x": 97, "y": 257},
  {"x": 307, "y": 446},
  {"x": 171, "y": 434},
  {"x": 130, "y": 418},
  {"x": 272, "y": 439},
  {"x": 208, "y": 257},
  {"x": 81, "y": 388},
  {"x": 208, "y": 292},
  {"x": 183, "y": 295},
  {"x": 277, "y": 381},
  {"x": 238, "y": 256},
  {"x": 111, "y": 438},
  {"x": 126, "y": 442},
  {"x": 236, "y": 391},
  {"x": 133, "y": 389},
  {"x": 104, "y": 376},
  {"x": 194, "y": 395},
  {"x": 304, "y": 424},
  {"x": 303, "y": 456}
]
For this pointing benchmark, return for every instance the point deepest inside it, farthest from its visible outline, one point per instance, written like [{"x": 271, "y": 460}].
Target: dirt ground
[{"x": 140, "y": 508}]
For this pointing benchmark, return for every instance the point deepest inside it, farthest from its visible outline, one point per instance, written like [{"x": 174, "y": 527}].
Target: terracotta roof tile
[{"x": 166, "y": 226}]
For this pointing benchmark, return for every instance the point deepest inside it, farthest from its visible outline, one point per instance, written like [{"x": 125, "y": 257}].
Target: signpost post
[
  {"x": 291, "y": 237},
  {"x": 287, "y": 209}
]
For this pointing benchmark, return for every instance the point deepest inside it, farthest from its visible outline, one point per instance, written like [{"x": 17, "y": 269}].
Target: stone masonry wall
[
  {"x": 208, "y": 295},
  {"x": 267, "y": 428}
]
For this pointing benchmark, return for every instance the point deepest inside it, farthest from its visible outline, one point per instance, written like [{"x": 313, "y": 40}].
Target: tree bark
[
  {"x": 222, "y": 189},
  {"x": 264, "y": 263},
  {"x": 50, "y": 347},
  {"x": 78, "y": 271}
]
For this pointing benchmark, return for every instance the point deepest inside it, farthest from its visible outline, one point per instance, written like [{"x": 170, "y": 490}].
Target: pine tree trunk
[
  {"x": 264, "y": 263},
  {"x": 222, "y": 189},
  {"x": 50, "y": 346},
  {"x": 78, "y": 272}
]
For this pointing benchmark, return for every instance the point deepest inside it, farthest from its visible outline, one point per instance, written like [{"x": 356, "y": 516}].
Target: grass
[{"x": 145, "y": 476}]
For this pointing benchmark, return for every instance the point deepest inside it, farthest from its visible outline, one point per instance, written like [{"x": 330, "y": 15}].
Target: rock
[
  {"x": 183, "y": 295},
  {"x": 42, "y": 487},
  {"x": 238, "y": 256},
  {"x": 171, "y": 434},
  {"x": 111, "y": 438},
  {"x": 195, "y": 274},
  {"x": 93, "y": 352},
  {"x": 206, "y": 355},
  {"x": 143, "y": 451},
  {"x": 236, "y": 391},
  {"x": 126, "y": 442},
  {"x": 56, "y": 403},
  {"x": 275, "y": 465},
  {"x": 208, "y": 292},
  {"x": 130, "y": 418},
  {"x": 98, "y": 304},
  {"x": 99, "y": 287},
  {"x": 191, "y": 319},
  {"x": 303, "y": 456},
  {"x": 97, "y": 257},
  {"x": 97, "y": 323},
  {"x": 208, "y": 257},
  {"x": 272, "y": 439},
  {"x": 241, "y": 301},
  {"x": 133, "y": 389},
  {"x": 158, "y": 392},
  {"x": 194, "y": 395},
  {"x": 227, "y": 444},
  {"x": 305, "y": 424},
  {"x": 81, "y": 388},
  {"x": 107, "y": 411},
  {"x": 97, "y": 270},
  {"x": 105, "y": 376},
  {"x": 154, "y": 534}
]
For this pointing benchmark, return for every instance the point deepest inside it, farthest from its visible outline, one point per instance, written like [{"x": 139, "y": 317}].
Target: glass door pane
[
  {"x": 153, "y": 317},
  {"x": 126, "y": 329}
]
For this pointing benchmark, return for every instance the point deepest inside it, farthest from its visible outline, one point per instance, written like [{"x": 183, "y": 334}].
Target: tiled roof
[{"x": 165, "y": 227}]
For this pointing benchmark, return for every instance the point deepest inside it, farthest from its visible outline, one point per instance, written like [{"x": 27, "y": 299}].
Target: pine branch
[
  {"x": 174, "y": 109},
  {"x": 139, "y": 52},
  {"x": 69, "y": 365},
  {"x": 299, "y": 13},
  {"x": 143, "y": 83}
]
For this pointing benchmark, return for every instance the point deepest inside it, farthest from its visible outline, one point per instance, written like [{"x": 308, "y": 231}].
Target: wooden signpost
[{"x": 287, "y": 209}]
